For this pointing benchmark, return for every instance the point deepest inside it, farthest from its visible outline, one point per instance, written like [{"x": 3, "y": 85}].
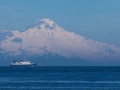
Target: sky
[{"x": 95, "y": 19}]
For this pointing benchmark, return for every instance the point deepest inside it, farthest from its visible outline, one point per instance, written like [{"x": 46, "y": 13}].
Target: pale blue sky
[{"x": 95, "y": 19}]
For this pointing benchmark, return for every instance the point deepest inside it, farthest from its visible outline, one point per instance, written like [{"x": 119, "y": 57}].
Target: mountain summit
[
  {"x": 50, "y": 44},
  {"x": 43, "y": 24}
]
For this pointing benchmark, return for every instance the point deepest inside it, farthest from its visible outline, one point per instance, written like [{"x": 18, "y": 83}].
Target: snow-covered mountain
[{"x": 46, "y": 39}]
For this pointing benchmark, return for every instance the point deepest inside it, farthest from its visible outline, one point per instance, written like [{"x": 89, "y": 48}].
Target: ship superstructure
[{"x": 22, "y": 63}]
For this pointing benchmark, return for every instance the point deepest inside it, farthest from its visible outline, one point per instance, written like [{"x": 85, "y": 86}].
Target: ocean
[{"x": 60, "y": 78}]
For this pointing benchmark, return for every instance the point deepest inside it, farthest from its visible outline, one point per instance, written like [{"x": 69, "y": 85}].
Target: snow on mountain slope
[{"x": 45, "y": 36}]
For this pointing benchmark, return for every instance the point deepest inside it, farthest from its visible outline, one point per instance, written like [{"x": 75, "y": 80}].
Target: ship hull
[{"x": 21, "y": 65}]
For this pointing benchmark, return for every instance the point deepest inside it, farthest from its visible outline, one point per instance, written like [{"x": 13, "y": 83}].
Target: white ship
[{"x": 22, "y": 63}]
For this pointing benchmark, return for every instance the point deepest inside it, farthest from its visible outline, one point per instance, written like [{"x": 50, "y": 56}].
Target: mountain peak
[
  {"x": 43, "y": 24},
  {"x": 46, "y": 21}
]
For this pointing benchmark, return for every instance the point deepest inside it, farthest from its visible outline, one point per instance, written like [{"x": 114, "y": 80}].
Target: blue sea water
[{"x": 60, "y": 78}]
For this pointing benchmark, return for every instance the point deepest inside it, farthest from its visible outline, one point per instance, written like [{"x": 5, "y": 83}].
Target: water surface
[{"x": 60, "y": 78}]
